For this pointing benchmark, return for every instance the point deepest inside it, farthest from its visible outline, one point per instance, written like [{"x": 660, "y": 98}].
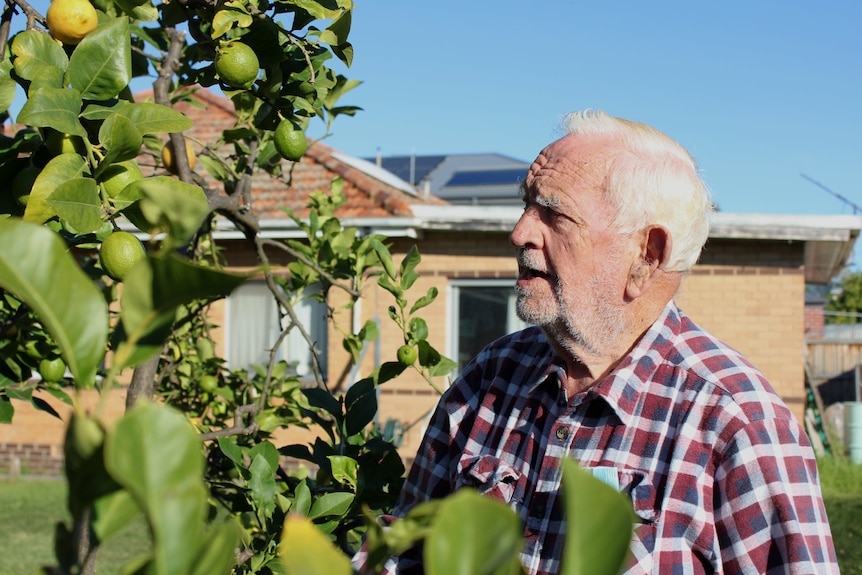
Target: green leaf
[
  {"x": 77, "y": 201},
  {"x": 594, "y": 512},
  {"x": 336, "y": 503},
  {"x": 425, "y": 300},
  {"x": 473, "y": 535},
  {"x": 172, "y": 205},
  {"x": 224, "y": 20},
  {"x": 362, "y": 408},
  {"x": 154, "y": 453},
  {"x": 34, "y": 51},
  {"x": 7, "y": 410},
  {"x": 344, "y": 469},
  {"x": 112, "y": 512},
  {"x": 47, "y": 77},
  {"x": 305, "y": 550},
  {"x": 54, "y": 107},
  {"x": 144, "y": 11},
  {"x": 152, "y": 292},
  {"x": 302, "y": 496},
  {"x": 122, "y": 141},
  {"x": 101, "y": 65},
  {"x": 217, "y": 551},
  {"x": 150, "y": 118},
  {"x": 60, "y": 169},
  {"x": 385, "y": 258},
  {"x": 267, "y": 450},
  {"x": 262, "y": 485},
  {"x": 36, "y": 266}
]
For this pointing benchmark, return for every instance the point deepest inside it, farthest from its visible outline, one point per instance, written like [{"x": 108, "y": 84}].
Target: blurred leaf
[
  {"x": 101, "y": 65},
  {"x": 154, "y": 453},
  {"x": 112, "y": 512},
  {"x": 594, "y": 512},
  {"x": 305, "y": 550},
  {"x": 473, "y": 535},
  {"x": 36, "y": 266},
  {"x": 217, "y": 554},
  {"x": 172, "y": 205},
  {"x": 152, "y": 292},
  {"x": 144, "y": 11}
]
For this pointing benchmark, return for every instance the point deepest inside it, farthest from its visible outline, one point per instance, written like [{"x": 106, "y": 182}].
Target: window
[
  {"x": 482, "y": 311},
  {"x": 253, "y": 328}
]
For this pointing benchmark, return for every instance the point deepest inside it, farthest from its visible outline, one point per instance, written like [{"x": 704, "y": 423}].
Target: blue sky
[{"x": 760, "y": 92}]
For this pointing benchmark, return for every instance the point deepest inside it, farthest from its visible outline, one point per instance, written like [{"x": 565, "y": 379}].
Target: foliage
[
  {"x": 845, "y": 299},
  {"x": 194, "y": 455}
]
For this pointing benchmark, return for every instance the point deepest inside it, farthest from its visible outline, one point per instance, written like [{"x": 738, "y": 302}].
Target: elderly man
[{"x": 616, "y": 376}]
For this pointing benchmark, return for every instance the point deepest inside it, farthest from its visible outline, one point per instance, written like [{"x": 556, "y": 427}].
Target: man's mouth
[{"x": 530, "y": 268}]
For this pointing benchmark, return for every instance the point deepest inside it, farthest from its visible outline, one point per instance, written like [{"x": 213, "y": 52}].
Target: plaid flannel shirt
[{"x": 719, "y": 472}]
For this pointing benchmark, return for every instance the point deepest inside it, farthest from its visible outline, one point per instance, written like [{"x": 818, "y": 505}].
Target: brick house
[{"x": 748, "y": 288}]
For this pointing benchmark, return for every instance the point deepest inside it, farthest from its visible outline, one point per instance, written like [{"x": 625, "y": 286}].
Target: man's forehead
[{"x": 568, "y": 161}]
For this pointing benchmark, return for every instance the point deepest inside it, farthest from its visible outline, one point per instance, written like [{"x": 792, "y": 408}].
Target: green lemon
[
  {"x": 236, "y": 64},
  {"x": 290, "y": 141},
  {"x": 60, "y": 143},
  {"x": 208, "y": 383},
  {"x": 407, "y": 354},
  {"x": 52, "y": 370},
  {"x": 119, "y": 253},
  {"x": 117, "y": 176}
]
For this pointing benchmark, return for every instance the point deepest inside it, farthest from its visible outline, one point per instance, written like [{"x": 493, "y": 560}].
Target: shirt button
[{"x": 562, "y": 433}]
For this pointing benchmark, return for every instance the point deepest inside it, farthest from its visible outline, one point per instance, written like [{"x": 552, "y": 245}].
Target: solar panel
[{"x": 486, "y": 177}]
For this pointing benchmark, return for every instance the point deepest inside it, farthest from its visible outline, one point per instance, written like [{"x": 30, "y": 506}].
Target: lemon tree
[
  {"x": 120, "y": 252},
  {"x": 201, "y": 466}
]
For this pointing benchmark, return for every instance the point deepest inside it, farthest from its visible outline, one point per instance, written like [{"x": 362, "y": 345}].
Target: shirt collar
[{"x": 622, "y": 387}]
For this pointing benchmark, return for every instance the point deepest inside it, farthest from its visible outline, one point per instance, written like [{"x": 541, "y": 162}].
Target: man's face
[{"x": 573, "y": 266}]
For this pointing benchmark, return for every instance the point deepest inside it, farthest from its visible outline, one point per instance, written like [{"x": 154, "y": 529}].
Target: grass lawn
[
  {"x": 29, "y": 510},
  {"x": 842, "y": 495}
]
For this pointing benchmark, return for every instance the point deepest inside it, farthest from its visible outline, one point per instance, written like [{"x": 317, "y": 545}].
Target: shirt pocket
[
  {"x": 638, "y": 486},
  {"x": 489, "y": 475}
]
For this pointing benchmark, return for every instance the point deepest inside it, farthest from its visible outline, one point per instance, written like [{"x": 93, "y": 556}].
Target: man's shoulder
[
  {"x": 727, "y": 371},
  {"x": 518, "y": 358}
]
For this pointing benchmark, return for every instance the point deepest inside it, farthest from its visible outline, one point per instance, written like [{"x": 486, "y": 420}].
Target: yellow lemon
[
  {"x": 69, "y": 21},
  {"x": 168, "y": 156}
]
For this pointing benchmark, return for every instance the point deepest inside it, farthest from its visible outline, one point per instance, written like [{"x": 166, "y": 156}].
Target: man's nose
[{"x": 524, "y": 233}]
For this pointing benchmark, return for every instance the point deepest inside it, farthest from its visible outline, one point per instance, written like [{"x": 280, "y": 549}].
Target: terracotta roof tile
[{"x": 367, "y": 195}]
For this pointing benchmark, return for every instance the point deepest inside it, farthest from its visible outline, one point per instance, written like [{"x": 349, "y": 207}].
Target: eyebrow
[{"x": 544, "y": 201}]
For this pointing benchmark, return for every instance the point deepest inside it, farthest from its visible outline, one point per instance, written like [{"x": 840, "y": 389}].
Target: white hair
[{"x": 651, "y": 180}]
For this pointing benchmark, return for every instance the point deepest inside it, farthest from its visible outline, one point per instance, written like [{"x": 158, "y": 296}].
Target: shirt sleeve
[{"x": 770, "y": 516}]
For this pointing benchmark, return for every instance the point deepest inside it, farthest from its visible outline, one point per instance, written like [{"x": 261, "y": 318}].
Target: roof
[
  {"x": 463, "y": 179},
  {"x": 370, "y": 191}
]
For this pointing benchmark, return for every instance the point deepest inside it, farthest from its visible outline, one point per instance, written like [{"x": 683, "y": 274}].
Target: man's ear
[{"x": 655, "y": 249}]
